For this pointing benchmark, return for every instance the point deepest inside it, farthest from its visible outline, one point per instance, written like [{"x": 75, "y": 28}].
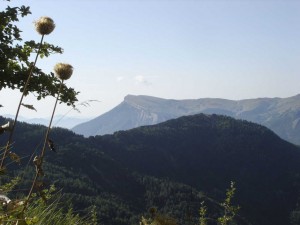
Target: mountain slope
[
  {"x": 170, "y": 165},
  {"x": 208, "y": 152},
  {"x": 282, "y": 115}
]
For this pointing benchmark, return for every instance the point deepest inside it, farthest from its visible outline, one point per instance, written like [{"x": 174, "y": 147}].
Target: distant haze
[{"x": 58, "y": 121}]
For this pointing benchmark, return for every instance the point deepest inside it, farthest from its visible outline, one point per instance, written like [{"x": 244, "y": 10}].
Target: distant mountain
[
  {"x": 282, "y": 115},
  {"x": 58, "y": 121},
  {"x": 173, "y": 166}
]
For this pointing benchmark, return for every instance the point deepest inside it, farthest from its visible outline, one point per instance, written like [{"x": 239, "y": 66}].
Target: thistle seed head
[
  {"x": 63, "y": 71},
  {"x": 44, "y": 25}
]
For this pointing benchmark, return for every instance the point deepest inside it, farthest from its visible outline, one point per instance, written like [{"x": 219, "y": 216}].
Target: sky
[{"x": 175, "y": 49}]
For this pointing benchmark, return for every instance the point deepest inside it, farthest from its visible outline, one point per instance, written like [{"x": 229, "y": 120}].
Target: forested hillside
[{"x": 173, "y": 166}]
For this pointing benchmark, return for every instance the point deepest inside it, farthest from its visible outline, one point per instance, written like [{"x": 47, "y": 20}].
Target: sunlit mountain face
[{"x": 282, "y": 115}]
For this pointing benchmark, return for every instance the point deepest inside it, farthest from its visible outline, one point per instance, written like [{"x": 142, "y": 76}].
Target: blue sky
[{"x": 233, "y": 49}]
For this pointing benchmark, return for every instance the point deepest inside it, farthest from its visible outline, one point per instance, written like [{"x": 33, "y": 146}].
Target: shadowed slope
[{"x": 200, "y": 152}]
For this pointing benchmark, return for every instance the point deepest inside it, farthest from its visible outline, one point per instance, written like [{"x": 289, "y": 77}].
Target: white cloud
[
  {"x": 120, "y": 78},
  {"x": 142, "y": 80}
]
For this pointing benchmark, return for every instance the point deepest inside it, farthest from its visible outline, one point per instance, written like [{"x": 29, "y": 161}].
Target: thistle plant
[
  {"x": 44, "y": 26},
  {"x": 17, "y": 71},
  {"x": 63, "y": 72}
]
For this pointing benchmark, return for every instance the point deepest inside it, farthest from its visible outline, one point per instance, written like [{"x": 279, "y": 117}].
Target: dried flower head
[
  {"x": 44, "y": 25},
  {"x": 63, "y": 71}
]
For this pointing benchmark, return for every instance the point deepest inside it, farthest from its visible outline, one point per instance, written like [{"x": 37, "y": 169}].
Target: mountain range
[
  {"x": 282, "y": 115},
  {"x": 174, "y": 166}
]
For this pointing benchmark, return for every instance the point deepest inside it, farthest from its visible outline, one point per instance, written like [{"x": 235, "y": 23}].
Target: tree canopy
[{"x": 15, "y": 60}]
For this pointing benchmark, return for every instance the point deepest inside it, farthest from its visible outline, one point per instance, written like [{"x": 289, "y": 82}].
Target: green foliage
[
  {"x": 94, "y": 219},
  {"x": 203, "y": 214},
  {"x": 15, "y": 55},
  {"x": 159, "y": 220},
  {"x": 230, "y": 211},
  {"x": 54, "y": 212},
  {"x": 7, "y": 187},
  {"x": 45, "y": 208},
  {"x": 295, "y": 217}
]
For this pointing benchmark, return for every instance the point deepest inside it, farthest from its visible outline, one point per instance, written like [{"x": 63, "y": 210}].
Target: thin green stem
[
  {"x": 50, "y": 123},
  {"x": 38, "y": 170},
  {"x": 19, "y": 106}
]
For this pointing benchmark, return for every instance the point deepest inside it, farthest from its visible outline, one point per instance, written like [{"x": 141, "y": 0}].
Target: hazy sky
[{"x": 179, "y": 49}]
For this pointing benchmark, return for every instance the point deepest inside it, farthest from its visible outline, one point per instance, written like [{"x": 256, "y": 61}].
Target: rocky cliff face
[{"x": 282, "y": 115}]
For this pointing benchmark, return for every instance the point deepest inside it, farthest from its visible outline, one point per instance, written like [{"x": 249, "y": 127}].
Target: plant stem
[
  {"x": 50, "y": 123},
  {"x": 43, "y": 149},
  {"x": 19, "y": 106}
]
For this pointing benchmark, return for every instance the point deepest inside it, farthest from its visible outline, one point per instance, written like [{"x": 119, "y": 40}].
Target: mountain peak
[
  {"x": 142, "y": 98},
  {"x": 145, "y": 102}
]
